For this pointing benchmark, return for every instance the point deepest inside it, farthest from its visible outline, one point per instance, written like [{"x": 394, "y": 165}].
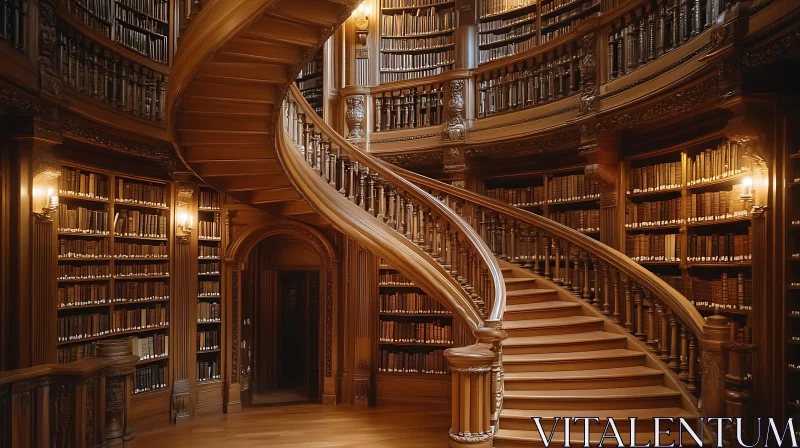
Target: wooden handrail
[
  {"x": 388, "y": 175},
  {"x": 83, "y": 368},
  {"x": 675, "y": 300}
]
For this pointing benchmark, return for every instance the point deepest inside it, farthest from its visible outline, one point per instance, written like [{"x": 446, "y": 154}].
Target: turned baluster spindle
[
  {"x": 513, "y": 244},
  {"x": 651, "y": 322},
  {"x": 537, "y": 244},
  {"x": 638, "y": 302},
  {"x": 362, "y": 188},
  {"x": 343, "y": 163},
  {"x": 420, "y": 240},
  {"x": 528, "y": 249},
  {"x": 587, "y": 296},
  {"x": 663, "y": 342},
  {"x": 371, "y": 195},
  {"x": 596, "y": 268},
  {"x": 400, "y": 213},
  {"x": 435, "y": 254},
  {"x": 332, "y": 169},
  {"x": 673, "y": 340},
  {"x": 503, "y": 241},
  {"x": 557, "y": 257},
  {"x": 692, "y": 375},
  {"x": 577, "y": 287},
  {"x": 606, "y": 290},
  {"x": 409, "y": 230},
  {"x": 390, "y": 207},
  {"x": 447, "y": 261},
  {"x": 684, "y": 354},
  {"x": 546, "y": 246},
  {"x": 628, "y": 304},
  {"x": 567, "y": 273}
]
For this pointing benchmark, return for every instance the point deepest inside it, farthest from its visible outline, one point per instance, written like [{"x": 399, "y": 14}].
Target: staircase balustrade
[
  {"x": 436, "y": 230},
  {"x": 82, "y": 404}
]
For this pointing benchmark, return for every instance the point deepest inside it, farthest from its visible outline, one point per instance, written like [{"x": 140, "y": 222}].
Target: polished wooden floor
[{"x": 310, "y": 425}]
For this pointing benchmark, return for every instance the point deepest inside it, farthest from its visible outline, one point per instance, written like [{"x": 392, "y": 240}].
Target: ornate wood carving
[
  {"x": 588, "y": 100},
  {"x": 413, "y": 159},
  {"x": 63, "y": 414},
  {"x": 47, "y": 39},
  {"x": 361, "y": 380},
  {"x": 90, "y": 434},
  {"x": 354, "y": 115},
  {"x": 456, "y": 129}
]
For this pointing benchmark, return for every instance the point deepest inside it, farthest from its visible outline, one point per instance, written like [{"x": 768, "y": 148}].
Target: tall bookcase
[
  {"x": 209, "y": 286},
  {"x": 567, "y": 197},
  {"x": 416, "y": 38},
  {"x": 687, "y": 219},
  {"x": 791, "y": 304},
  {"x": 506, "y": 27},
  {"x": 142, "y": 26},
  {"x": 114, "y": 268},
  {"x": 414, "y": 330},
  {"x": 310, "y": 81}
]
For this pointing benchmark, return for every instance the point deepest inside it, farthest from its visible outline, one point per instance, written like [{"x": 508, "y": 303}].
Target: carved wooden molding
[
  {"x": 354, "y": 114},
  {"x": 588, "y": 101},
  {"x": 456, "y": 129}
]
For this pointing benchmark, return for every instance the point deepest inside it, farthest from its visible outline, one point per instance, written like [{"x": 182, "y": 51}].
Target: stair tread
[
  {"x": 556, "y": 339},
  {"x": 616, "y": 372},
  {"x": 566, "y": 356},
  {"x": 594, "y": 394},
  {"x": 542, "y": 306},
  {"x": 551, "y": 322},
  {"x": 519, "y": 280},
  {"x": 617, "y": 414},
  {"x": 529, "y": 292}
]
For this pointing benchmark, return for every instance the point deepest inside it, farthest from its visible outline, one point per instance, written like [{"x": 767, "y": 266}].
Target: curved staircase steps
[{"x": 560, "y": 361}]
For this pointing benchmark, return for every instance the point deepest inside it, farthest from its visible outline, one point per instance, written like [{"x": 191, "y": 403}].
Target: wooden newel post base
[
  {"x": 712, "y": 362},
  {"x": 471, "y": 369},
  {"x": 493, "y": 336},
  {"x": 118, "y": 389},
  {"x": 739, "y": 390}
]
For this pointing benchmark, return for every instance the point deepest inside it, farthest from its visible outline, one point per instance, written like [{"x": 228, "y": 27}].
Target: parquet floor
[{"x": 310, "y": 425}]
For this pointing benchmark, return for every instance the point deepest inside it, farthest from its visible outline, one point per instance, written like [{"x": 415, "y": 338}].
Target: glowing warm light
[
  {"x": 182, "y": 218},
  {"x": 747, "y": 187},
  {"x": 363, "y": 9}
]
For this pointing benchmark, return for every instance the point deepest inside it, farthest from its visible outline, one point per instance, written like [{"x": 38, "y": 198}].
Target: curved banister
[
  {"x": 388, "y": 178},
  {"x": 675, "y": 300}
]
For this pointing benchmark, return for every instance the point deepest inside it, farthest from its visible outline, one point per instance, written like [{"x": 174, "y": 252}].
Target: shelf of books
[
  {"x": 209, "y": 286},
  {"x": 114, "y": 268},
  {"x": 791, "y": 304},
  {"x": 568, "y": 198},
  {"x": 141, "y": 26},
  {"x": 506, "y": 27},
  {"x": 416, "y": 38},
  {"x": 414, "y": 329},
  {"x": 309, "y": 81},
  {"x": 687, "y": 219}
]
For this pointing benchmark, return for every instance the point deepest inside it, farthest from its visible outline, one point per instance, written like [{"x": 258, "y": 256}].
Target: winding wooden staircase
[{"x": 574, "y": 347}]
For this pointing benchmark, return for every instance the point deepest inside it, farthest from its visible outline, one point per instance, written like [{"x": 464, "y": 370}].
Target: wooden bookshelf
[
  {"x": 310, "y": 81},
  {"x": 209, "y": 287},
  {"x": 114, "y": 267},
  {"x": 506, "y": 27},
  {"x": 791, "y": 293},
  {"x": 141, "y": 26},
  {"x": 685, "y": 220},
  {"x": 413, "y": 328},
  {"x": 417, "y": 38}
]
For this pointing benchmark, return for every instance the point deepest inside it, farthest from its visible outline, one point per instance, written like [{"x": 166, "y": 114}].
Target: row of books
[
  {"x": 734, "y": 292},
  {"x": 571, "y": 187},
  {"x": 149, "y": 347},
  {"x": 153, "y": 46},
  {"x": 653, "y": 247},
  {"x": 140, "y": 318},
  {"x": 141, "y": 193},
  {"x": 140, "y": 224},
  {"x": 580, "y": 220},
  {"x": 662, "y": 176},
  {"x": 399, "y": 62},
  {"x": 413, "y": 362},
  {"x": 416, "y": 332},
  {"x": 727, "y": 159},
  {"x": 393, "y": 279},
  {"x": 142, "y": 22},
  {"x": 81, "y": 272},
  {"x": 95, "y": 13},
  {"x": 208, "y": 288},
  {"x": 76, "y": 352},
  {"x": 74, "y": 328},
  {"x": 509, "y": 49},
  {"x": 390, "y": 4},
  {"x": 133, "y": 250},
  {"x": 81, "y": 183},
  {"x": 491, "y": 25},
  {"x": 676, "y": 281},
  {"x": 208, "y": 340},
  {"x": 411, "y": 303},
  {"x": 657, "y": 213},
  {"x": 207, "y": 371},
  {"x": 567, "y": 14},
  {"x": 158, "y": 9},
  {"x": 421, "y": 21},
  {"x": 717, "y": 205},
  {"x": 419, "y": 73},
  {"x": 313, "y": 67},
  {"x": 566, "y": 27},
  {"x": 141, "y": 269},
  {"x": 209, "y": 200},
  {"x": 554, "y": 5},
  {"x": 81, "y": 248},
  {"x": 308, "y": 84},
  {"x": 209, "y": 229},
  {"x": 494, "y": 7},
  {"x": 140, "y": 291},
  {"x": 416, "y": 43},
  {"x": 518, "y": 31},
  {"x": 82, "y": 294},
  {"x": 149, "y": 378},
  {"x": 208, "y": 251},
  {"x": 209, "y": 268},
  {"x": 743, "y": 333},
  {"x": 82, "y": 220},
  {"x": 208, "y": 312},
  {"x": 727, "y": 247},
  {"x": 520, "y": 197}
]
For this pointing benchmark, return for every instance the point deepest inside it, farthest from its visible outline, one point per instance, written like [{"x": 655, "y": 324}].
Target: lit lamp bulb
[{"x": 747, "y": 188}]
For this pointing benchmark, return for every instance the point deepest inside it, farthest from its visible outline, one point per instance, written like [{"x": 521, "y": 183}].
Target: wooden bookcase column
[{"x": 602, "y": 155}]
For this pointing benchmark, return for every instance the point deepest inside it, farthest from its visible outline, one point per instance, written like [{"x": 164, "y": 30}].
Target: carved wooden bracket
[
  {"x": 456, "y": 129},
  {"x": 588, "y": 100}
]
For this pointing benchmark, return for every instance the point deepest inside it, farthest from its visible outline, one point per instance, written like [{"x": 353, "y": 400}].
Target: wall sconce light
[
  {"x": 747, "y": 189},
  {"x": 185, "y": 224},
  {"x": 361, "y": 21},
  {"x": 44, "y": 198}
]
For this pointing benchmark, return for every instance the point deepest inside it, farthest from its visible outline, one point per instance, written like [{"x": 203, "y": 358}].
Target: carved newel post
[
  {"x": 456, "y": 129},
  {"x": 739, "y": 390},
  {"x": 119, "y": 387},
  {"x": 603, "y": 168},
  {"x": 356, "y": 117},
  {"x": 474, "y": 396},
  {"x": 712, "y": 362},
  {"x": 494, "y": 337}
]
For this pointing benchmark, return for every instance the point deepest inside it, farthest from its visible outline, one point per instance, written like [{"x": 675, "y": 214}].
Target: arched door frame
[{"x": 235, "y": 256}]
